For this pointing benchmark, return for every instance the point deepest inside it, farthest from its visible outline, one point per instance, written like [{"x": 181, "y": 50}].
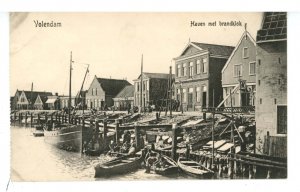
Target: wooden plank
[
  {"x": 258, "y": 159},
  {"x": 257, "y": 164}
]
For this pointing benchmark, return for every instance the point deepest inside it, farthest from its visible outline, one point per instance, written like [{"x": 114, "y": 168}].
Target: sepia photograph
[{"x": 148, "y": 96}]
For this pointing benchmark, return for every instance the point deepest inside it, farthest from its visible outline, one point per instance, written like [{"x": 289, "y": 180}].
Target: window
[
  {"x": 178, "y": 70},
  {"x": 96, "y": 91},
  {"x": 198, "y": 66},
  {"x": 138, "y": 87},
  {"x": 279, "y": 81},
  {"x": 281, "y": 119},
  {"x": 191, "y": 69},
  {"x": 252, "y": 67},
  {"x": 260, "y": 101},
  {"x": 184, "y": 70},
  {"x": 198, "y": 94},
  {"x": 183, "y": 95},
  {"x": 258, "y": 61},
  {"x": 279, "y": 60},
  {"x": 245, "y": 52},
  {"x": 237, "y": 70},
  {"x": 275, "y": 101},
  {"x": 258, "y": 82},
  {"x": 204, "y": 65}
]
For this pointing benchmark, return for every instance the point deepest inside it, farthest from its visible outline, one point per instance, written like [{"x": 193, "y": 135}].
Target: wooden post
[
  {"x": 46, "y": 117},
  {"x": 39, "y": 118},
  {"x": 250, "y": 172},
  {"x": 31, "y": 120},
  {"x": 56, "y": 118},
  {"x": 137, "y": 136},
  {"x": 230, "y": 165},
  {"x": 83, "y": 142},
  {"x": 51, "y": 119},
  {"x": 26, "y": 119},
  {"x": 174, "y": 141},
  {"x": 116, "y": 130},
  {"x": 105, "y": 132},
  {"x": 15, "y": 116},
  {"x": 204, "y": 116},
  {"x": 157, "y": 117},
  {"x": 20, "y": 118}
]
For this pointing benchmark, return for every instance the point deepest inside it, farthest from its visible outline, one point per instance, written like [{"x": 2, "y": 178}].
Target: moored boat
[
  {"x": 68, "y": 137},
  {"x": 166, "y": 166},
  {"x": 194, "y": 169},
  {"x": 121, "y": 165}
]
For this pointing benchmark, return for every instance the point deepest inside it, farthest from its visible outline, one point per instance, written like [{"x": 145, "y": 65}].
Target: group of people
[{"x": 128, "y": 145}]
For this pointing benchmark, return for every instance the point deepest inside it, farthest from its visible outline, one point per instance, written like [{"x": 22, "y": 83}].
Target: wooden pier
[{"x": 229, "y": 165}]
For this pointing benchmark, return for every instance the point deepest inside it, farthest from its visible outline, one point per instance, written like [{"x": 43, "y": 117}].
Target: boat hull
[
  {"x": 171, "y": 168},
  {"x": 200, "y": 172},
  {"x": 117, "y": 166},
  {"x": 68, "y": 138}
]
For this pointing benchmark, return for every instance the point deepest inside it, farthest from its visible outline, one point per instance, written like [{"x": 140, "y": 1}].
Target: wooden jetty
[{"x": 226, "y": 165}]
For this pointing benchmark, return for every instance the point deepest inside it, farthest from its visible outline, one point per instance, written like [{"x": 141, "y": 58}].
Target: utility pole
[
  {"x": 170, "y": 89},
  {"x": 70, "y": 86}
]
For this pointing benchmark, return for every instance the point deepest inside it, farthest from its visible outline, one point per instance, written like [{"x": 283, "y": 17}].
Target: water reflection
[{"x": 34, "y": 160}]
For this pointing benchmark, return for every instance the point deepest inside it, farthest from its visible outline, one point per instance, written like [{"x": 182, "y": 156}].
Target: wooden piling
[
  {"x": 39, "y": 118},
  {"x": 31, "y": 120},
  {"x": 230, "y": 166},
  {"x": 20, "y": 118},
  {"x": 174, "y": 141},
  {"x": 51, "y": 119},
  {"x": 26, "y": 119},
  {"x": 204, "y": 116},
  {"x": 137, "y": 136},
  {"x": 117, "y": 130},
  {"x": 83, "y": 127},
  {"x": 105, "y": 132}
]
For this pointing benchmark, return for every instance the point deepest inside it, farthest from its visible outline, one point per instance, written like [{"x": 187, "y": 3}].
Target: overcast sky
[{"x": 112, "y": 43}]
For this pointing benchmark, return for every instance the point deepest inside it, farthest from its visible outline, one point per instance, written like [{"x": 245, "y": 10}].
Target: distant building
[
  {"x": 240, "y": 69},
  {"x": 102, "y": 91},
  {"x": 198, "y": 74},
  {"x": 30, "y": 100},
  {"x": 271, "y": 95},
  {"x": 154, "y": 89},
  {"x": 53, "y": 102},
  {"x": 125, "y": 98},
  {"x": 64, "y": 101}
]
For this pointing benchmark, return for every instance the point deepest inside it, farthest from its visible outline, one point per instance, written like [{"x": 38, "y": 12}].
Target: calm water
[{"x": 34, "y": 160}]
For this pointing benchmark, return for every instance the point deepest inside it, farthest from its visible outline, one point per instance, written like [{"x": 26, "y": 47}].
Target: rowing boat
[
  {"x": 165, "y": 166},
  {"x": 194, "y": 169},
  {"x": 121, "y": 165}
]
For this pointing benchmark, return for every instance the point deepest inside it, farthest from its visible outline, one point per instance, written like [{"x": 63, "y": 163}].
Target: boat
[
  {"x": 194, "y": 169},
  {"x": 68, "y": 136},
  {"x": 120, "y": 165},
  {"x": 38, "y": 133},
  {"x": 166, "y": 166},
  {"x": 99, "y": 147}
]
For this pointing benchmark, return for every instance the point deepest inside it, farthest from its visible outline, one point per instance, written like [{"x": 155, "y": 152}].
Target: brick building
[
  {"x": 198, "y": 74},
  {"x": 102, "y": 91},
  {"x": 271, "y": 96},
  {"x": 154, "y": 89},
  {"x": 240, "y": 69}
]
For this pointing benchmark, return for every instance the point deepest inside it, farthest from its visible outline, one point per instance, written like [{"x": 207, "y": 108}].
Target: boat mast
[
  {"x": 70, "y": 86},
  {"x": 141, "y": 87},
  {"x": 87, "y": 70}
]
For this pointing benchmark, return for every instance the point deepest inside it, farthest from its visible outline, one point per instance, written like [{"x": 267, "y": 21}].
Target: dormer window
[{"x": 245, "y": 52}]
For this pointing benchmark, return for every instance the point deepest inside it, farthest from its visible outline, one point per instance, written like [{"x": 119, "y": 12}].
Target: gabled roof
[
  {"x": 157, "y": 75},
  {"x": 112, "y": 86},
  {"x": 273, "y": 28},
  {"x": 220, "y": 50},
  {"x": 223, "y": 50},
  {"x": 246, "y": 33},
  {"x": 127, "y": 91},
  {"x": 32, "y": 95}
]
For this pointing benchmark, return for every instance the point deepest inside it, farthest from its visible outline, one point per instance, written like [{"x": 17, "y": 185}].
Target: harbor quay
[{"x": 213, "y": 143}]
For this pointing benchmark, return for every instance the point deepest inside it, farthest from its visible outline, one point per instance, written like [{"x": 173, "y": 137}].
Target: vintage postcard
[{"x": 148, "y": 96}]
